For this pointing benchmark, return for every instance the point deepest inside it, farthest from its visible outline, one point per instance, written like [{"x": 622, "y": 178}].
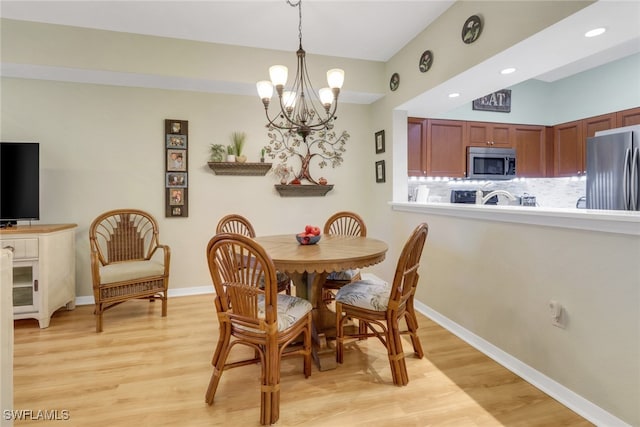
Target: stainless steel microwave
[{"x": 491, "y": 163}]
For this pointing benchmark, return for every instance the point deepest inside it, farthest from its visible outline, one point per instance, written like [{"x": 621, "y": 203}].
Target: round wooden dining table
[{"x": 331, "y": 253}]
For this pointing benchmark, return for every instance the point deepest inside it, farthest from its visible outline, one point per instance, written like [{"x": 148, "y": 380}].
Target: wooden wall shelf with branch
[
  {"x": 231, "y": 168},
  {"x": 299, "y": 190}
]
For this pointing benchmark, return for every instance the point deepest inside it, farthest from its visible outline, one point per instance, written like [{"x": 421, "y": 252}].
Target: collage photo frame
[{"x": 176, "y": 168}]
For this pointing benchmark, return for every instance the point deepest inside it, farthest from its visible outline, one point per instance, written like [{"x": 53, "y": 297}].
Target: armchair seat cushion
[
  {"x": 290, "y": 310},
  {"x": 130, "y": 270},
  {"x": 368, "y": 294},
  {"x": 343, "y": 275}
]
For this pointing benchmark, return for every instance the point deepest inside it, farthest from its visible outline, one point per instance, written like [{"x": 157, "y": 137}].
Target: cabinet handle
[{"x": 11, "y": 248}]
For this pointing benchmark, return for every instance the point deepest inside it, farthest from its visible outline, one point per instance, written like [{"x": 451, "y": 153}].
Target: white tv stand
[{"x": 44, "y": 269}]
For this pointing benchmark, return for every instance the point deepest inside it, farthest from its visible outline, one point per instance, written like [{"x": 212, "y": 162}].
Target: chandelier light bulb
[
  {"x": 326, "y": 97},
  {"x": 278, "y": 75},
  {"x": 335, "y": 78},
  {"x": 265, "y": 90},
  {"x": 289, "y": 100}
]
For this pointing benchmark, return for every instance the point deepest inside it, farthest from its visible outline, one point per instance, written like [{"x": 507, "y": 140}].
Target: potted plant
[
  {"x": 231, "y": 153},
  {"x": 238, "y": 139},
  {"x": 217, "y": 153}
]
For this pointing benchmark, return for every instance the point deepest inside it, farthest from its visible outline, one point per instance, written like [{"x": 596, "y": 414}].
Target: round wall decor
[
  {"x": 471, "y": 29},
  {"x": 394, "y": 82},
  {"x": 426, "y": 60}
]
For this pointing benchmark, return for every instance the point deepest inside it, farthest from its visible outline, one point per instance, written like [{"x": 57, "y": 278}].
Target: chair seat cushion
[
  {"x": 343, "y": 275},
  {"x": 290, "y": 310},
  {"x": 369, "y": 294},
  {"x": 130, "y": 270}
]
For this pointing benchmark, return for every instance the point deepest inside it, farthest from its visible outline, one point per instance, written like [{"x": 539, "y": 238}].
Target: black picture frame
[
  {"x": 380, "y": 171},
  {"x": 379, "y": 141},
  {"x": 394, "y": 82},
  {"x": 176, "y": 168},
  {"x": 426, "y": 61},
  {"x": 471, "y": 29}
]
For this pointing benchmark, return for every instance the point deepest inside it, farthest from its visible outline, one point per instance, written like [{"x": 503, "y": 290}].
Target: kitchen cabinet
[
  {"x": 485, "y": 134},
  {"x": 568, "y": 147},
  {"x": 417, "y": 147},
  {"x": 530, "y": 144},
  {"x": 446, "y": 148},
  {"x": 628, "y": 117}
]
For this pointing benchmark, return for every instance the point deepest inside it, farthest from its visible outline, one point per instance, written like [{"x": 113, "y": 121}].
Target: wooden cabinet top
[{"x": 36, "y": 228}]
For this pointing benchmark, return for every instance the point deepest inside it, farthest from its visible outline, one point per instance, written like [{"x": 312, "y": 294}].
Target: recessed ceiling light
[
  {"x": 508, "y": 70},
  {"x": 454, "y": 95},
  {"x": 595, "y": 32}
]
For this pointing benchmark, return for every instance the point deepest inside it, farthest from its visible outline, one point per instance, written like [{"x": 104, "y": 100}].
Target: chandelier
[{"x": 301, "y": 108}]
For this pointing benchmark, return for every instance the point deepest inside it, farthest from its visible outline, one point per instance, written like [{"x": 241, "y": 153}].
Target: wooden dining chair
[
  {"x": 349, "y": 224},
  {"x": 260, "y": 318},
  {"x": 127, "y": 260},
  {"x": 380, "y": 307},
  {"x": 234, "y": 223}
]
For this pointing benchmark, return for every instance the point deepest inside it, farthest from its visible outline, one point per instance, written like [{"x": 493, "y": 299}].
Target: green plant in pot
[
  {"x": 231, "y": 153},
  {"x": 238, "y": 139},
  {"x": 217, "y": 153}
]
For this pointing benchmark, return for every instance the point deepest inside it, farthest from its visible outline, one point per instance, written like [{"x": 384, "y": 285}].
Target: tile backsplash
[{"x": 549, "y": 192}]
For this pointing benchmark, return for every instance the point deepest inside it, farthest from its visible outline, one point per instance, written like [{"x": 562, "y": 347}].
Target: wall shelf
[
  {"x": 235, "y": 168},
  {"x": 299, "y": 190}
]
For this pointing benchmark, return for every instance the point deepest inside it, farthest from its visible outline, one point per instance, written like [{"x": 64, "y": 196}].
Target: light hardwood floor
[{"x": 145, "y": 370}]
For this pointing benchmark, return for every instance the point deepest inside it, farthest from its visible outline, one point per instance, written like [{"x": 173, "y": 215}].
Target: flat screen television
[{"x": 19, "y": 182}]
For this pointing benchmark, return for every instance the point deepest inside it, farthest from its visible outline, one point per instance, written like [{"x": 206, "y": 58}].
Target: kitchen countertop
[{"x": 622, "y": 222}]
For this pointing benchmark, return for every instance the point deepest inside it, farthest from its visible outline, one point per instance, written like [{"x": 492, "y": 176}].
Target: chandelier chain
[{"x": 299, "y": 6}]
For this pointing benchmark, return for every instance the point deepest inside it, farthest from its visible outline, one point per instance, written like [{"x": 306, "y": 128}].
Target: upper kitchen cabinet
[
  {"x": 417, "y": 147},
  {"x": 530, "y": 144},
  {"x": 568, "y": 147},
  {"x": 628, "y": 117},
  {"x": 484, "y": 134},
  {"x": 446, "y": 148}
]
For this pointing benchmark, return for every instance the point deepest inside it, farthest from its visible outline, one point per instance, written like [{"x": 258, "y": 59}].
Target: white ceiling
[
  {"x": 269, "y": 24},
  {"x": 363, "y": 29}
]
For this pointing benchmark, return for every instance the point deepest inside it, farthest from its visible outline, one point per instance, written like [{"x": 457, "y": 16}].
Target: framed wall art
[
  {"x": 176, "y": 183},
  {"x": 380, "y": 142},
  {"x": 380, "y": 172}
]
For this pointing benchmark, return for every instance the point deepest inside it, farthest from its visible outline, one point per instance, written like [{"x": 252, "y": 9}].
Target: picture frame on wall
[
  {"x": 380, "y": 171},
  {"x": 379, "y": 139},
  {"x": 176, "y": 174},
  {"x": 177, "y": 141}
]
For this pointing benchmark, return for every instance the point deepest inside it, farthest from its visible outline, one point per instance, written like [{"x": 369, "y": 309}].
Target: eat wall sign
[{"x": 497, "y": 101}]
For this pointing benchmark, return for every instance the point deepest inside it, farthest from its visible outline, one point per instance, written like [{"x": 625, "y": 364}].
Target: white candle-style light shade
[
  {"x": 335, "y": 78},
  {"x": 278, "y": 75},
  {"x": 326, "y": 96},
  {"x": 289, "y": 100},
  {"x": 265, "y": 89}
]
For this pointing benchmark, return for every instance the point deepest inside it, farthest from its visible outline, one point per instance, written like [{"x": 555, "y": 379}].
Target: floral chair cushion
[
  {"x": 290, "y": 310},
  {"x": 369, "y": 294},
  {"x": 343, "y": 275}
]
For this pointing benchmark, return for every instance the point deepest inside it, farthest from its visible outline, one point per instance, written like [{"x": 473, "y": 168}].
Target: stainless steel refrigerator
[{"x": 613, "y": 169}]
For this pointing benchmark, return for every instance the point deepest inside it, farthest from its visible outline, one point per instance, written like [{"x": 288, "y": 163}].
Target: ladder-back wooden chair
[
  {"x": 381, "y": 306},
  {"x": 238, "y": 224},
  {"x": 343, "y": 223},
  {"x": 256, "y": 316},
  {"x": 127, "y": 260}
]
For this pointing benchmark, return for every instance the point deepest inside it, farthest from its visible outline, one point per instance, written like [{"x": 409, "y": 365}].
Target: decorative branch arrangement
[{"x": 325, "y": 146}]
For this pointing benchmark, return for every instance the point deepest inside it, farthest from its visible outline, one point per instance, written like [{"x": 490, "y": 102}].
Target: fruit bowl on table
[{"x": 307, "y": 239}]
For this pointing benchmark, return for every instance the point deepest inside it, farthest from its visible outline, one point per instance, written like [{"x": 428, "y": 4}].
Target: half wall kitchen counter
[{"x": 623, "y": 222}]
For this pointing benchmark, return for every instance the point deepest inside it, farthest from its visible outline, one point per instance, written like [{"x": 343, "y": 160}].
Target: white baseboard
[
  {"x": 179, "y": 292},
  {"x": 568, "y": 398}
]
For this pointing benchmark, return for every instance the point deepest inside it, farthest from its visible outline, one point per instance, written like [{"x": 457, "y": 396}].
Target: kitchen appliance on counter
[
  {"x": 469, "y": 196},
  {"x": 613, "y": 169},
  {"x": 491, "y": 163}
]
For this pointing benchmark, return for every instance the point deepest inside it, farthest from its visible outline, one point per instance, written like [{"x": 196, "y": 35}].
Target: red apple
[
  {"x": 315, "y": 231},
  {"x": 308, "y": 229}
]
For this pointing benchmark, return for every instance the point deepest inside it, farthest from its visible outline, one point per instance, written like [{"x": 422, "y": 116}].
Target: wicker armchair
[
  {"x": 255, "y": 316},
  {"x": 238, "y": 224},
  {"x": 344, "y": 223},
  {"x": 127, "y": 261},
  {"x": 380, "y": 307}
]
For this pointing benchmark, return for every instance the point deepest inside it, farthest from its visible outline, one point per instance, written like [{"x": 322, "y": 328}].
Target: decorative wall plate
[
  {"x": 426, "y": 60},
  {"x": 394, "y": 82},
  {"x": 471, "y": 29}
]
